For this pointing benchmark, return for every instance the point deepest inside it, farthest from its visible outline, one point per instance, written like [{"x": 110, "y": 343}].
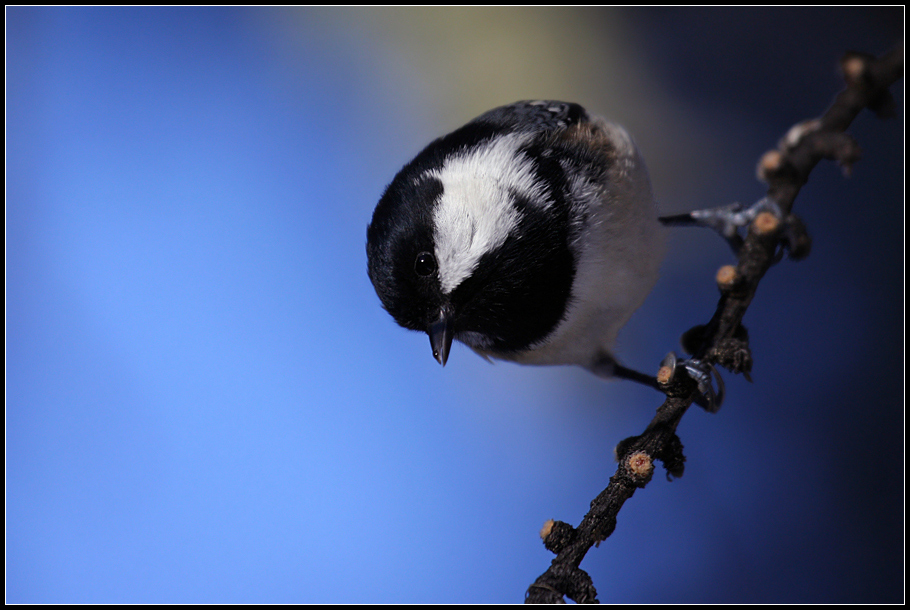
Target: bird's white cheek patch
[{"x": 475, "y": 213}]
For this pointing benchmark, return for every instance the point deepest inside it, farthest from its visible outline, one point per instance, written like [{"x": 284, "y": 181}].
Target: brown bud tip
[
  {"x": 664, "y": 374},
  {"x": 799, "y": 131},
  {"x": 640, "y": 464},
  {"x": 853, "y": 67},
  {"x": 726, "y": 276},
  {"x": 557, "y": 535},
  {"x": 769, "y": 164},
  {"x": 546, "y": 529},
  {"x": 765, "y": 223}
]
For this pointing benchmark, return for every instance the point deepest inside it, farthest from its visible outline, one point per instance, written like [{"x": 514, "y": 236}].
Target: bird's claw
[
  {"x": 704, "y": 374},
  {"x": 726, "y": 219}
]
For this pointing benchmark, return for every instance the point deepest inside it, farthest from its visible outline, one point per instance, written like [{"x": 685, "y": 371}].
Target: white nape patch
[{"x": 476, "y": 213}]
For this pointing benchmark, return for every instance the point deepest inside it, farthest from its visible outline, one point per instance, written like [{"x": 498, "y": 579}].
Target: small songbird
[{"x": 529, "y": 234}]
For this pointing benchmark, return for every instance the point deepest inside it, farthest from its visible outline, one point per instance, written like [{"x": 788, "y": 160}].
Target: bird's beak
[{"x": 441, "y": 332}]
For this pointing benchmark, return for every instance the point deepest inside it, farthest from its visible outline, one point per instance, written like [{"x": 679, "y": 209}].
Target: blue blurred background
[{"x": 206, "y": 402}]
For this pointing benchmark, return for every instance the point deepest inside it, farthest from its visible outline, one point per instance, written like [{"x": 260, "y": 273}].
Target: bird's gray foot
[
  {"x": 726, "y": 219},
  {"x": 704, "y": 374}
]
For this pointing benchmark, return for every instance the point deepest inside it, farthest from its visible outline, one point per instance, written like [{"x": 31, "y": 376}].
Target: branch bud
[
  {"x": 546, "y": 529},
  {"x": 765, "y": 224},
  {"x": 727, "y": 277},
  {"x": 853, "y": 65},
  {"x": 799, "y": 131},
  {"x": 641, "y": 465},
  {"x": 769, "y": 165},
  {"x": 557, "y": 535}
]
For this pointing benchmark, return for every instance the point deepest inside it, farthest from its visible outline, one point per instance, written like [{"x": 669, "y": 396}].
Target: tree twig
[{"x": 723, "y": 340}]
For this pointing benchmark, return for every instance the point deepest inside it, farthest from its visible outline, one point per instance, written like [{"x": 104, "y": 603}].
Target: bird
[{"x": 530, "y": 234}]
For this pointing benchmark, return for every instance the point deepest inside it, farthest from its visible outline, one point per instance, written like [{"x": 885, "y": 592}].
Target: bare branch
[{"x": 723, "y": 340}]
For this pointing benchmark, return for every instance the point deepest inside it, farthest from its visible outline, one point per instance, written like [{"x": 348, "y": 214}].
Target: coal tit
[{"x": 529, "y": 234}]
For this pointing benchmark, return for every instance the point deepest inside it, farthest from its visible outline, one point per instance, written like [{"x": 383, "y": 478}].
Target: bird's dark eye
[{"x": 425, "y": 264}]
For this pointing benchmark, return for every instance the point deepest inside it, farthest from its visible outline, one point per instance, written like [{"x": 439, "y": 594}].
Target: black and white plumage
[{"x": 530, "y": 234}]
